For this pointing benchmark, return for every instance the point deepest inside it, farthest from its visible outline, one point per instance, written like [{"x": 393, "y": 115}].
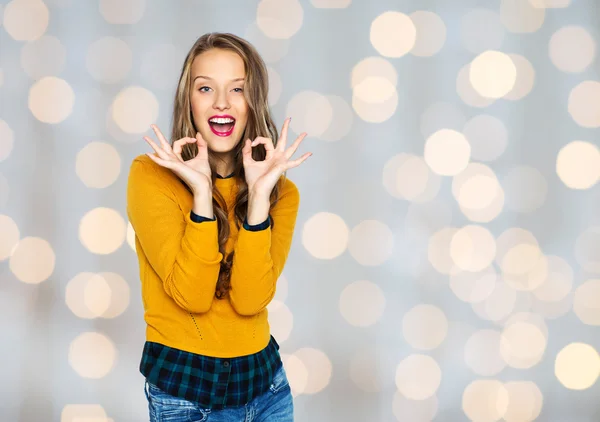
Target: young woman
[{"x": 214, "y": 217}]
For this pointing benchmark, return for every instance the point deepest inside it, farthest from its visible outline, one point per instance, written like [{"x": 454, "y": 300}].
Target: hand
[
  {"x": 262, "y": 176},
  {"x": 195, "y": 172}
]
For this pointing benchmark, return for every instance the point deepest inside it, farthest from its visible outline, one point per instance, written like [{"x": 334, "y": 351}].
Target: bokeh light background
[{"x": 446, "y": 263}]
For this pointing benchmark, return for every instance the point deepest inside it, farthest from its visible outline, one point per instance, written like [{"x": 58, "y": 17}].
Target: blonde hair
[{"x": 259, "y": 123}]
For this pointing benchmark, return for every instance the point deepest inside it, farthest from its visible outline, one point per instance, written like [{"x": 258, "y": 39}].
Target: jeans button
[{"x": 226, "y": 364}]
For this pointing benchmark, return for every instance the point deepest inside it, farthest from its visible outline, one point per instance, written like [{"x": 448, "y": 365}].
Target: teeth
[{"x": 221, "y": 120}]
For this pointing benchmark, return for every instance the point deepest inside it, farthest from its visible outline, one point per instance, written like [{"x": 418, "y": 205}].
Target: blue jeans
[{"x": 276, "y": 405}]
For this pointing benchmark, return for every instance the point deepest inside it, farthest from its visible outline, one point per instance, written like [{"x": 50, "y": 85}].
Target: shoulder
[
  {"x": 288, "y": 189},
  {"x": 143, "y": 167}
]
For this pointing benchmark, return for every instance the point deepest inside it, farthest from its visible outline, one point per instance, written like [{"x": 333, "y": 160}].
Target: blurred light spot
[
  {"x": 525, "y": 78},
  {"x": 414, "y": 410},
  {"x": 485, "y": 400},
  {"x": 10, "y": 236},
  {"x": 130, "y": 236},
  {"x": 32, "y": 260},
  {"x": 371, "y": 243},
  {"x": 341, "y": 119},
  {"x": 481, "y": 30},
  {"x": 482, "y": 353},
  {"x": 90, "y": 295},
  {"x": 447, "y": 152},
  {"x": 578, "y": 164},
  {"x": 525, "y": 188},
  {"x": 311, "y": 113},
  {"x": 520, "y": 16},
  {"x": 59, "y": 3},
  {"x": 43, "y": 57},
  {"x": 92, "y": 355},
  {"x": 297, "y": 373},
  {"x": 6, "y": 140},
  {"x": 572, "y": 49},
  {"x": 325, "y": 235},
  {"x": 51, "y": 100},
  {"x": 584, "y": 104},
  {"x": 281, "y": 293},
  {"x": 1, "y": 78},
  {"x": 271, "y": 50},
  {"x": 83, "y": 413},
  {"x": 374, "y": 89},
  {"x": 393, "y": 34},
  {"x": 26, "y": 20},
  {"x": 375, "y": 112},
  {"x": 531, "y": 278},
  {"x": 102, "y": 230},
  {"x": 577, "y": 366},
  {"x": 407, "y": 176},
  {"x": 122, "y": 12},
  {"x": 530, "y": 318},
  {"x": 422, "y": 220},
  {"x": 524, "y": 401},
  {"x": 438, "y": 251},
  {"x": 109, "y": 60},
  {"x": 558, "y": 281},
  {"x": 441, "y": 115},
  {"x": 473, "y": 287},
  {"x": 275, "y": 85},
  {"x": 134, "y": 110},
  {"x": 492, "y": 74},
  {"x": 487, "y": 136},
  {"x": 281, "y": 320},
  {"x": 418, "y": 377},
  {"x": 478, "y": 193},
  {"x": 467, "y": 93},
  {"x": 522, "y": 345},
  {"x": 472, "y": 248},
  {"x": 318, "y": 368},
  {"x": 160, "y": 65},
  {"x": 279, "y": 19},
  {"x": 330, "y": 4},
  {"x": 425, "y": 327},
  {"x": 373, "y": 67},
  {"x": 362, "y": 303},
  {"x": 586, "y": 302},
  {"x": 431, "y": 33},
  {"x": 369, "y": 370},
  {"x": 550, "y": 4},
  {"x": 517, "y": 251},
  {"x": 98, "y": 165},
  {"x": 498, "y": 305},
  {"x": 587, "y": 249}
]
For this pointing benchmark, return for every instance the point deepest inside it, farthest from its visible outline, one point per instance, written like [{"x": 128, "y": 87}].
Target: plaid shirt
[{"x": 214, "y": 383}]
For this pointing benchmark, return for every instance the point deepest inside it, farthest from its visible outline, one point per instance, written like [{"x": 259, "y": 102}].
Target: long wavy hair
[{"x": 260, "y": 123}]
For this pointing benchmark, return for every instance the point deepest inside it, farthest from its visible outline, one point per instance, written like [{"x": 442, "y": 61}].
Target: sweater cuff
[
  {"x": 199, "y": 219},
  {"x": 257, "y": 227}
]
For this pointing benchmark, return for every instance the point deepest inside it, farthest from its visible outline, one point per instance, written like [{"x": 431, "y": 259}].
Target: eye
[
  {"x": 238, "y": 89},
  {"x": 202, "y": 89}
]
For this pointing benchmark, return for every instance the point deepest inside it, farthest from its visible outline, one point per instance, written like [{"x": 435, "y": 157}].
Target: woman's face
[{"x": 219, "y": 108}]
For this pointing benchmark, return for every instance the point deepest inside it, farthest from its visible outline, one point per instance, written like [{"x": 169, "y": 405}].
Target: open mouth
[{"x": 222, "y": 126}]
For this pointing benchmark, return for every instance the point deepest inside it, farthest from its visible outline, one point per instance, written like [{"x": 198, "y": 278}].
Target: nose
[{"x": 221, "y": 101}]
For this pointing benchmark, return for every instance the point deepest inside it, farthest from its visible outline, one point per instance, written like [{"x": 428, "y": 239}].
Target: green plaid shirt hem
[{"x": 213, "y": 383}]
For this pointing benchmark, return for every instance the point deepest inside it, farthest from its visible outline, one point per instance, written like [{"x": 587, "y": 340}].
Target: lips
[{"x": 222, "y": 125}]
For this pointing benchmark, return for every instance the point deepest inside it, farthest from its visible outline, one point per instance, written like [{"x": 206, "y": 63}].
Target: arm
[
  {"x": 183, "y": 253},
  {"x": 260, "y": 255}
]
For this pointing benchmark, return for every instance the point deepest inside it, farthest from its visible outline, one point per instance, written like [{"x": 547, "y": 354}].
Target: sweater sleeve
[
  {"x": 184, "y": 254},
  {"x": 260, "y": 255}
]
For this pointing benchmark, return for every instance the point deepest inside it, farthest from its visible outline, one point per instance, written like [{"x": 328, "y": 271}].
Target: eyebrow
[{"x": 210, "y": 79}]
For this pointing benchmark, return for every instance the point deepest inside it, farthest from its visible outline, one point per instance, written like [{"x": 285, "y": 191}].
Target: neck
[{"x": 224, "y": 165}]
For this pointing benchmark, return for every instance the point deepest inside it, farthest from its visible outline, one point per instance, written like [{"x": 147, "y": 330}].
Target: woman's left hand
[{"x": 262, "y": 176}]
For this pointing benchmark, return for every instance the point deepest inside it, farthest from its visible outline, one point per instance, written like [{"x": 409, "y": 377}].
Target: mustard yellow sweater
[{"x": 179, "y": 265}]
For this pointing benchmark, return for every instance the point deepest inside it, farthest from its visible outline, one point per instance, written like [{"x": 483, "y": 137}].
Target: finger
[
  {"x": 178, "y": 146},
  {"x": 267, "y": 142},
  {"x": 247, "y": 151},
  {"x": 296, "y": 163},
  {"x": 159, "y": 161},
  {"x": 161, "y": 138},
  {"x": 281, "y": 143},
  {"x": 202, "y": 146},
  {"x": 292, "y": 149},
  {"x": 159, "y": 151}
]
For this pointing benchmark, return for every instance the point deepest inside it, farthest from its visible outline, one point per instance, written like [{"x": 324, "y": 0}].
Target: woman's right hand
[{"x": 195, "y": 172}]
